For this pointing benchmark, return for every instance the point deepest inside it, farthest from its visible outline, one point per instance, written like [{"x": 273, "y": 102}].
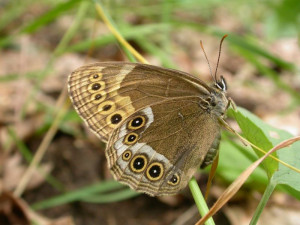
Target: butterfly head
[
  {"x": 219, "y": 98},
  {"x": 221, "y": 84}
]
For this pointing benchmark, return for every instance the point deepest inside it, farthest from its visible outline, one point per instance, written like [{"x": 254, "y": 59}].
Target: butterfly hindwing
[{"x": 169, "y": 138}]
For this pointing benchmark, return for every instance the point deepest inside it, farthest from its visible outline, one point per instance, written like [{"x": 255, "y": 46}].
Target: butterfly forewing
[{"x": 104, "y": 94}]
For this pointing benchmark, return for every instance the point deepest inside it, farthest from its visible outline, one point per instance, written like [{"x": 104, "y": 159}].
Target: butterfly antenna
[
  {"x": 207, "y": 61},
  {"x": 219, "y": 55}
]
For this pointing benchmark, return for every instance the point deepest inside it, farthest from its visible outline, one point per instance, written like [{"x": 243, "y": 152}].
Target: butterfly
[{"x": 160, "y": 125}]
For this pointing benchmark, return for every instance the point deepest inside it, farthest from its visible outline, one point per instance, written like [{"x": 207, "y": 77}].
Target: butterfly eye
[
  {"x": 155, "y": 171},
  {"x": 174, "y": 180},
  {"x": 221, "y": 84}
]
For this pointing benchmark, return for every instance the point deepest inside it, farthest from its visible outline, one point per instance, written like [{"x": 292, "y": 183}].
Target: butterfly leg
[{"x": 232, "y": 104}]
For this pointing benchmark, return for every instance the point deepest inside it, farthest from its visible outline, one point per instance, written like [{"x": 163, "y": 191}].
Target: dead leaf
[
  {"x": 12, "y": 211},
  {"x": 13, "y": 169},
  {"x": 15, "y": 211}
]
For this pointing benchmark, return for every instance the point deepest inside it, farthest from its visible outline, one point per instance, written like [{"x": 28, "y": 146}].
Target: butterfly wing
[
  {"x": 105, "y": 94},
  {"x": 157, "y": 131},
  {"x": 158, "y": 149}
]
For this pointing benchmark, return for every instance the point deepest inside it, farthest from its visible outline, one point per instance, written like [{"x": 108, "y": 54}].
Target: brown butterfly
[{"x": 160, "y": 124}]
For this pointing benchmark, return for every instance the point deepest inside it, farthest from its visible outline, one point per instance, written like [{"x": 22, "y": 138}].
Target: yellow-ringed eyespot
[
  {"x": 136, "y": 123},
  {"x": 155, "y": 171},
  {"x": 131, "y": 138},
  {"x": 114, "y": 119},
  {"x": 96, "y": 86},
  {"x": 138, "y": 163},
  {"x": 98, "y": 97},
  {"x": 96, "y": 77},
  {"x": 174, "y": 180},
  {"x": 107, "y": 107},
  {"x": 126, "y": 155}
]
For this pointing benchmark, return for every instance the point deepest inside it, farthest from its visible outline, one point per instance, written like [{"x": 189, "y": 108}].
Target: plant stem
[
  {"x": 199, "y": 200},
  {"x": 269, "y": 190}
]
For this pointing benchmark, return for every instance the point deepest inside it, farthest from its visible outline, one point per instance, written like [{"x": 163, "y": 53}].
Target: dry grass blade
[
  {"x": 119, "y": 37},
  {"x": 212, "y": 173},
  {"x": 235, "y": 186},
  {"x": 63, "y": 105}
]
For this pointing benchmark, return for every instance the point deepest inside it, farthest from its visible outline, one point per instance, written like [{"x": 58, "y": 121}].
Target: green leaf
[
  {"x": 266, "y": 137},
  {"x": 234, "y": 159},
  {"x": 255, "y": 131},
  {"x": 284, "y": 175}
]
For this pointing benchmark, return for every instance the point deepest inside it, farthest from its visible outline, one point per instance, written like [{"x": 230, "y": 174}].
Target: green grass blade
[
  {"x": 77, "y": 195},
  {"x": 26, "y": 153},
  {"x": 39, "y": 22},
  {"x": 263, "y": 202},
  {"x": 112, "y": 197},
  {"x": 14, "y": 10},
  {"x": 50, "y": 16},
  {"x": 159, "y": 52},
  {"x": 127, "y": 32}
]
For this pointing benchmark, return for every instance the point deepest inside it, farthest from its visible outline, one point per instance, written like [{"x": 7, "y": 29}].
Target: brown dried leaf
[
  {"x": 13, "y": 170},
  {"x": 12, "y": 210}
]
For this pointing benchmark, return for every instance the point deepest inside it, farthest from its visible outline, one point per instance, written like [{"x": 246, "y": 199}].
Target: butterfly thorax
[{"x": 216, "y": 103}]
